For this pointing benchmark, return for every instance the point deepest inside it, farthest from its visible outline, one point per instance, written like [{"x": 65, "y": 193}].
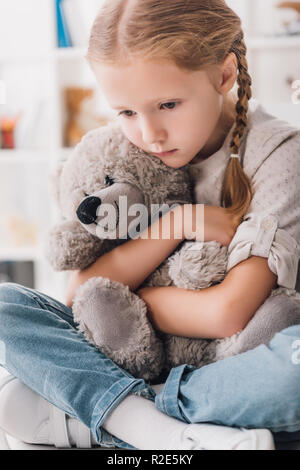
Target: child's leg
[
  {"x": 39, "y": 344},
  {"x": 256, "y": 389}
]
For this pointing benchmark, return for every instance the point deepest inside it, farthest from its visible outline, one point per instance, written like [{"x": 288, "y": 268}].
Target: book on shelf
[
  {"x": 63, "y": 34},
  {"x": 76, "y": 20}
]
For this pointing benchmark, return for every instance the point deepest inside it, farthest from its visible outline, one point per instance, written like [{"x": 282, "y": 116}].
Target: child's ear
[{"x": 229, "y": 73}]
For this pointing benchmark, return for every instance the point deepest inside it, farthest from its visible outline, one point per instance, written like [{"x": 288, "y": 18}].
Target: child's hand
[
  {"x": 216, "y": 223},
  {"x": 220, "y": 224}
]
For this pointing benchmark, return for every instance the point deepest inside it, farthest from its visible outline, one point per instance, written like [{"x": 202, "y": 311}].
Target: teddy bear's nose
[{"x": 87, "y": 211}]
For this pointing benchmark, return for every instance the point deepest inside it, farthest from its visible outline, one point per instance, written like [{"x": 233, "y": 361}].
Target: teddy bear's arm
[{"x": 68, "y": 246}]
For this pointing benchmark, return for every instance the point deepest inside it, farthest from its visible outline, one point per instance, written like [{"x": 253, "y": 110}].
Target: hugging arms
[{"x": 218, "y": 311}]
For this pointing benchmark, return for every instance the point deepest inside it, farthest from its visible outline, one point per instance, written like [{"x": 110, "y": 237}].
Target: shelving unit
[
  {"x": 59, "y": 68},
  {"x": 273, "y": 63},
  {"x": 19, "y": 156}
]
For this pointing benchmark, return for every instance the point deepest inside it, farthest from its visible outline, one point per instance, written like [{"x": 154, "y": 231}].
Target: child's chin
[{"x": 174, "y": 164}]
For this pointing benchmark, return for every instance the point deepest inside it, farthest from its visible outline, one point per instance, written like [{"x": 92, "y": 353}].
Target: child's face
[{"x": 163, "y": 108}]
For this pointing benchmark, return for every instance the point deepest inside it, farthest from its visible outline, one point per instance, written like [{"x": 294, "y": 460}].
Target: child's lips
[{"x": 165, "y": 154}]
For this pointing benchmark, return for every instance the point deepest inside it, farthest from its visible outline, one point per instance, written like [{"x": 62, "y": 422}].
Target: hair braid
[{"x": 237, "y": 191}]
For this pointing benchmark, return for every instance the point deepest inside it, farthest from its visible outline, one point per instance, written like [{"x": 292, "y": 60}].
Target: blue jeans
[{"x": 39, "y": 344}]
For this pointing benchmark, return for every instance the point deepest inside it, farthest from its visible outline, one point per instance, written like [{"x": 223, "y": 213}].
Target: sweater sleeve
[{"x": 271, "y": 228}]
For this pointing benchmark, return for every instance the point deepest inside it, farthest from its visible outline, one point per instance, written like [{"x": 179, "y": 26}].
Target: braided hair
[{"x": 235, "y": 182}]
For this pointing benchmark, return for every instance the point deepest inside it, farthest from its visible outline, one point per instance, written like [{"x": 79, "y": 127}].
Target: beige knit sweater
[{"x": 270, "y": 156}]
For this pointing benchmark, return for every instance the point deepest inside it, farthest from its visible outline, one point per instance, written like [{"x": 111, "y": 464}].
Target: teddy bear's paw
[
  {"x": 228, "y": 347},
  {"x": 114, "y": 319},
  {"x": 198, "y": 265},
  {"x": 68, "y": 246}
]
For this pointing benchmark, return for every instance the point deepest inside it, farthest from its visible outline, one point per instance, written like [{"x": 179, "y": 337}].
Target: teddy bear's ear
[{"x": 54, "y": 181}]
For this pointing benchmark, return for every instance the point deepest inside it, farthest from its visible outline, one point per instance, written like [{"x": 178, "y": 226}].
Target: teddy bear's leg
[
  {"x": 194, "y": 351},
  {"x": 279, "y": 311},
  {"x": 115, "y": 320}
]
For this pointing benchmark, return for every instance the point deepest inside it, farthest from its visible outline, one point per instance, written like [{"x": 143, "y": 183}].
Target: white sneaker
[
  {"x": 28, "y": 417},
  {"x": 215, "y": 437}
]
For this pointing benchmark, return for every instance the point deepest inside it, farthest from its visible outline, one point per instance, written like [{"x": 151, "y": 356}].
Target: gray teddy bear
[{"x": 107, "y": 170}]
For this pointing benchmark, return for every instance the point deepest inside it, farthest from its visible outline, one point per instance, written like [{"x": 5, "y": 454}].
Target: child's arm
[
  {"x": 270, "y": 233},
  {"x": 132, "y": 262},
  {"x": 216, "y": 312}
]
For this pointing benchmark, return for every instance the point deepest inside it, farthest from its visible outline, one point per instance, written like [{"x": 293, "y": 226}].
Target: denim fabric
[
  {"x": 257, "y": 389},
  {"x": 39, "y": 344}
]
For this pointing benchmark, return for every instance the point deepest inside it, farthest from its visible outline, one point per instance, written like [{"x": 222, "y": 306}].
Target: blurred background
[{"x": 49, "y": 99}]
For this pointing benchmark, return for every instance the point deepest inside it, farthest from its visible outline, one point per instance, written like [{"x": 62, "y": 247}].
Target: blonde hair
[{"x": 193, "y": 34}]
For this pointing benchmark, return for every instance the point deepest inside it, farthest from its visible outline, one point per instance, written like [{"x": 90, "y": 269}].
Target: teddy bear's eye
[{"x": 109, "y": 180}]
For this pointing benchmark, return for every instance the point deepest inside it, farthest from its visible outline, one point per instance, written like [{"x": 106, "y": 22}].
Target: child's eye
[
  {"x": 171, "y": 103},
  {"x": 165, "y": 104},
  {"x": 124, "y": 113}
]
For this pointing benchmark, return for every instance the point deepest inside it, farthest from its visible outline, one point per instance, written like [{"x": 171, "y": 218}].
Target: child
[{"x": 170, "y": 68}]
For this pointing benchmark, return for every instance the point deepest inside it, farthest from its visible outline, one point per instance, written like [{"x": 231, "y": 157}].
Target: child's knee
[
  {"x": 286, "y": 340},
  {"x": 10, "y": 292},
  {"x": 289, "y": 390},
  {"x": 11, "y": 295}
]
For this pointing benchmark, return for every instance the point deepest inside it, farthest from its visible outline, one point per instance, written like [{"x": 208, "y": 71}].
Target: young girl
[{"x": 169, "y": 69}]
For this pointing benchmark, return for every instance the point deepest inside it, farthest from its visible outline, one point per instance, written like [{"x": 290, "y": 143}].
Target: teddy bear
[{"x": 106, "y": 171}]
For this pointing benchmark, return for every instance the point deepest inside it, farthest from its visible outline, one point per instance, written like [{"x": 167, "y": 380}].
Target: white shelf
[
  {"x": 21, "y": 254},
  {"x": 43, "y": 156},
  {"x": 24, "y": 59},
  {"x": 58, "y": 53},
  {"x": 26, "y": 155}
]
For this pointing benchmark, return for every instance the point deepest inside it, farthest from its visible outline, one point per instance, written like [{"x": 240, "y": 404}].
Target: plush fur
[{"x": 104, "y": 166}]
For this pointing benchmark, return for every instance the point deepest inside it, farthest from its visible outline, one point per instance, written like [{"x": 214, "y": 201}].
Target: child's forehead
[
  {"x": 154, "y": 81},
  {"x": 146, "y": 68}
]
